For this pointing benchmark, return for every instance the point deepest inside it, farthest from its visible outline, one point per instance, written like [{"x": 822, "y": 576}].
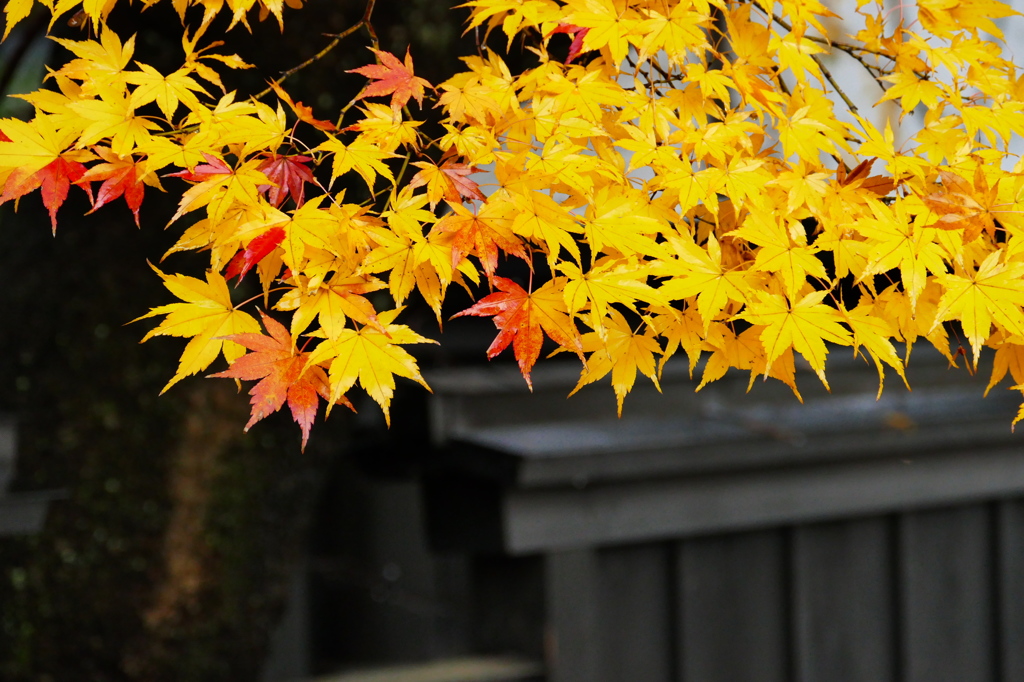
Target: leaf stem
[{"x": 259, "y": 295}]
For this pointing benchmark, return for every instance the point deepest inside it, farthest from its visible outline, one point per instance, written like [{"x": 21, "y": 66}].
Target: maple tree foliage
[{"x": 679, "y": 175}]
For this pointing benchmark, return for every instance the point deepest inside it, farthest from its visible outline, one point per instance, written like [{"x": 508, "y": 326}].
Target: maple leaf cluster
[{"x": 677, "y": 175}]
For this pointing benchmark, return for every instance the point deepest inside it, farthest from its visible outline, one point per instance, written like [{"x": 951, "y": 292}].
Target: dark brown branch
[{"x": 338, "y": 37}]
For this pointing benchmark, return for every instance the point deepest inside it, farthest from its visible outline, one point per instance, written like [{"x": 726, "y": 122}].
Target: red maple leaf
[
  {"x": 213, "y": 166},
  {"x": 289, "y": 175},
  {"x": 120, "y": 177},
  {"x": 392, "y": 77},
  {"x": 258, "y": 249},
  {"x": 54, "y": 181},
  {"x": 578, "y": 33},
  {"x": 203, "y": 171},
  {"x": 283, "y": 376},
  {"x": 522, "y": 316}
]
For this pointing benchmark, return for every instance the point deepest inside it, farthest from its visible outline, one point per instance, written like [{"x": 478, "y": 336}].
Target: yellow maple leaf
[
  {"x": 612, "y": 281},
  {"x": 796, "y": 52},
  {"x": 166, "y": 91},
  {"x": 611, "y": 24},
  {"x": 221, "y": 188},
  {"x": 207, "y": 316},
  {"x": 1009, "y": 358},
  {"x": 361, "y": 156},
  {"x": 193, "y": 57},
  {"x": 371, "y": 357},
  {"x": 32, "y": 145},
  {"x": 16, "y": 10},
  {"x": 414, "y": 259},
  {"x": 992, "y": 294},
  {"x": 804, "y": 326},
  {"x": 742, "y": 180},
  {"x": 779, "y": 252},
  {"x": 466, "y": 100},
  {"x": 332, "y": 302},
  {"x": 944, "y": 18},
  {"x": 512, "y": 15},
  {"x": 99, "y": 64},
  {"x": 873, "y": 331},
  {"x": 386, "y": 128},
  {"x": 913, "y": 320},
  {"x": 679, "y": 32},
  {"x": 112, "y": 116},
  {"x": 1020, "y": 411},
  {"x": 810, "y": 126},
  {"x": 247, "y": 127},
  {"x": 899, "y": 241},
  {"x": 696, "y": 272},
  {"x": 911, "y": 89},
  {"x": 619, "y": 221},
  {"x": 541, "y": 218},
  {"x": 741, "y": 351},
  {"x": 679, "y": 329},
  {"x": 585, "y": 91},
  {"x": 621, "y": 351}
]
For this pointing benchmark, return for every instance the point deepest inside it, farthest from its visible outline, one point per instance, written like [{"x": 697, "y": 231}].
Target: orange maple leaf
[
  {"x": 859, "y": 178},
  {"x": 467, "y": 189},
  {"x": 521, "y": 316},
  {"x": 480, "y": 234},
  {"x": 448, "y": 181},
  {"x": 303, "y": 112},
  {"x": 283, "y": 375},
  {"x": 392, "y": 77},
  {"x": 960, "y": 205}
]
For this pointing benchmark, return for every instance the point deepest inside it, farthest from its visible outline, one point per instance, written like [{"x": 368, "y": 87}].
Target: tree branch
[{"x": 338, "y": 37}]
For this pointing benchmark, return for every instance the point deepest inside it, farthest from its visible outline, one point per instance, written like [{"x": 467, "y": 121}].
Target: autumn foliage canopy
[{"x": 678, "y": 176}]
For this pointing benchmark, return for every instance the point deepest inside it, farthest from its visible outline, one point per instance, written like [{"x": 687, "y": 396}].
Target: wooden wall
[
  {"x": 920, "y": 596},
  {"x": 735, "y": 537}
]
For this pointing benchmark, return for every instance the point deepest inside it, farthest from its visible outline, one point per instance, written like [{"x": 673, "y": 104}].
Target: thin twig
[
  {"x": 835, "y": 85},
  {"x": 405, "y": 166},
  {"x": 338, "y": 37},
  {"x": 782, "y": 84},
  {"x": 855, "y": 51}
]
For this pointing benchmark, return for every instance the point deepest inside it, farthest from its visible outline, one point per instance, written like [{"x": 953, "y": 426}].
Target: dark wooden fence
[
  {"x": 926, "y": 596},
  {"x": 734, "y": 538}
]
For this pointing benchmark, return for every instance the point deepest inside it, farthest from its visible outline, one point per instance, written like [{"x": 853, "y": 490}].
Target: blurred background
[
  {"x": 169, "y": 549},
  {"x": 491, "y": 534}
]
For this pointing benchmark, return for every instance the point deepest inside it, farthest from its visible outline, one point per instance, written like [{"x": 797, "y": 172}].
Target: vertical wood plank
[
  {"x": 635, "y": 611},
  {"x": 1010, "y": 593},
  {"x": 573, "y": 635},
  {"x": 946, "y": 595},
  {"x": 508, "y": 609},
  {"x": 843, "y": 602},
  {"x": 732, "y": 601}
]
